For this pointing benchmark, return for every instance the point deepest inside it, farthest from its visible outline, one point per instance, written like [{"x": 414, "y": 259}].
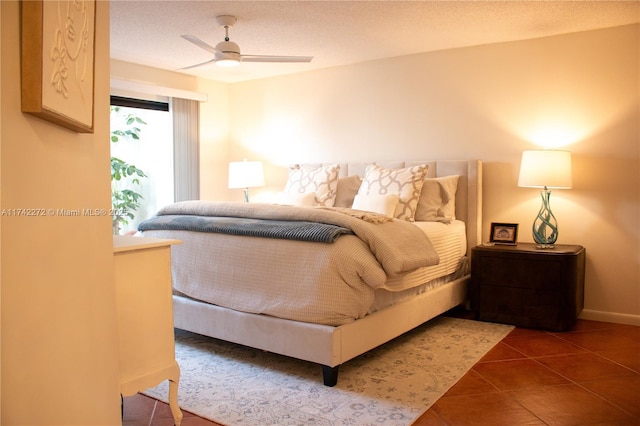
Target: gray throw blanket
[{"x": 282, "y": 229}]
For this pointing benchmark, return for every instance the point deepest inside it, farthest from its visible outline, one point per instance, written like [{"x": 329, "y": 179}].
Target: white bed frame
[{"x": 331, "y": 346}]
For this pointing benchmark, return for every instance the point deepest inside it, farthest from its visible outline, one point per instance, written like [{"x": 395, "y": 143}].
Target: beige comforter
[{"x": 304, "y": 281}]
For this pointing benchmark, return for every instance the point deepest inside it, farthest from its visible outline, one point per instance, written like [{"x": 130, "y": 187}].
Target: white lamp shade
[
  {"x": 246, "y": 174},
  {"x": 545, "y": 168}
]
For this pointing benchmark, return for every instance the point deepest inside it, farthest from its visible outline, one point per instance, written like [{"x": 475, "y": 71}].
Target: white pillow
[
  {"x": 383, "y": 204},
  {"x": 437, "y": 201},
  {"x": 405, "y": 183},
  {"x": 294, "y": 199},
  {"x": 323, "y": 181}
]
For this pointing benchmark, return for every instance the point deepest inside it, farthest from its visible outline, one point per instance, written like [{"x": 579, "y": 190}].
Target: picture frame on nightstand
[{"x": 504, "y": 233}]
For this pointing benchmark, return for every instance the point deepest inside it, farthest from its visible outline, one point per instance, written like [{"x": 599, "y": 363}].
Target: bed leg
[{"x": 330, "y": 375}]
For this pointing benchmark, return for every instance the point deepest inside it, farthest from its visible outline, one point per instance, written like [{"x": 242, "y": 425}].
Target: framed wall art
[
  {"x": 504, "y": 233},
  {"x": 57, "y": 61}
]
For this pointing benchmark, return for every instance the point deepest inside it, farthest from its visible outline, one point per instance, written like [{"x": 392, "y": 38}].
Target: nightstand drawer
[
  {"x": 502, "y": 304},
  {"x": 529, "y": 272}
]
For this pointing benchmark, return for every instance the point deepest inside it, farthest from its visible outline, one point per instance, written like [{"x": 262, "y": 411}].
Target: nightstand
[{"x": 528, "y": 287}]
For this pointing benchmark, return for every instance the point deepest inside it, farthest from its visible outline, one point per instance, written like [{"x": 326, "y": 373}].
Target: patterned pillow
[
  {"x": 406, "y": 183},
  {"x": 321, "y": 180},
  {"x": 437, "y": 202}
]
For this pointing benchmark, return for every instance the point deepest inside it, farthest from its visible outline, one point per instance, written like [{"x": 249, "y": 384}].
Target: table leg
[{"x": 173, "y": 402}]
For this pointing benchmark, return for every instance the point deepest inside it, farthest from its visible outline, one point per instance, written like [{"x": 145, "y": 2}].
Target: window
[
  {"x": 151, "y": 153},
  {"x": 167, "y": 151}
]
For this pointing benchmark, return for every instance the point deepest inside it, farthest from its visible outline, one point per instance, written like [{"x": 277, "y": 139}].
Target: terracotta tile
[
  {"x": 585, "y": 366},
  {"x": 139, "y": 422},
  {"x": 163, "y": 422},
  {"x": 471, "y": 383},
  {"x": 621, "y": 391},
  {"x": 480, "y": 410},
  {"x": 629, "y": 331},
  {"x": 501, "y": 352},
  {"x": 600, "y": 340},
  {"x": 518, "y": 374},
  {"x": 584, "y": 325},
  {"x": 571, "y": 405},
  {"x": 163, "y": 411},
  {"x": 429, "y": 418},
  {"x": 186, "y": 421},
  {"x": 138, "y": 407},
  {"x": 542, "y": 345},
  {"x": 629, "y": 357},
  {"x": 524, "y": 332}
]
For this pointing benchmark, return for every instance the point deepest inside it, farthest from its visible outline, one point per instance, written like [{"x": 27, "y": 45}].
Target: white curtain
[{"x": 186, "y": 150}]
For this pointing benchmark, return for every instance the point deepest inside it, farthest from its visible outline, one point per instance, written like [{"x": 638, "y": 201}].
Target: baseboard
[{"x": 589, "y": 314}]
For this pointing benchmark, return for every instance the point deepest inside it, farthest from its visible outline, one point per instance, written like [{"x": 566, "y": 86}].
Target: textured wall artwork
[{"x": 58, "y": 61}]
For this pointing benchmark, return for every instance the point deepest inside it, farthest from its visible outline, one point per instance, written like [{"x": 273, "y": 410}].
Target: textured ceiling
[{"x": 337, "y": 33}]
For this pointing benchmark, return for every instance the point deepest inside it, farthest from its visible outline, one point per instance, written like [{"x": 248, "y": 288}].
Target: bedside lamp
[
  {"x": 246, "y": 174},
  {"x": 545, "y": 169}
]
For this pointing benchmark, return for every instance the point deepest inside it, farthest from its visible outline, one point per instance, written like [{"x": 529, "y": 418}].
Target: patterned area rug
[{"x": 391, "y": 385}]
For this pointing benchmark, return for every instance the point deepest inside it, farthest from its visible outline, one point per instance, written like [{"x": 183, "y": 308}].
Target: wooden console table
[{"x": 145, "y": 316}]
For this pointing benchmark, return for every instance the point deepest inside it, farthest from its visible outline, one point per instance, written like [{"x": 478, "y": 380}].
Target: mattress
[
  {"x": 323, "y": 283},
  {"x": 450, "y": 242}
]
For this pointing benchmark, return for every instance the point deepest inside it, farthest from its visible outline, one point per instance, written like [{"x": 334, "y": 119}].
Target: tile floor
[{"x": 588, "y": 376}]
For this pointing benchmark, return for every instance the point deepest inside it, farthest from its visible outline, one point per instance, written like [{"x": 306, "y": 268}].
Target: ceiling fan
[{"x": 227, "y": 53}]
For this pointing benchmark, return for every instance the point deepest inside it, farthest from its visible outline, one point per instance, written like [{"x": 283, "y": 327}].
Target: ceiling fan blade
[
  {"x": 271, "y": 58},
  {"x": 195, "y": 40},
  {"x": 198, "y": 65}
]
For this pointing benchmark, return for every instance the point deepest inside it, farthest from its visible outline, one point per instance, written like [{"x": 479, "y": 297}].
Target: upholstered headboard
[{"x": 468, "y": 194}]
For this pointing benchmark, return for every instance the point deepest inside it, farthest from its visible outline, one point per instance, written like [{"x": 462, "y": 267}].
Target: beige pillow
[
  {"x": 323, "y": 181},
  {"x": 437, "y": 201},
  {"x": 294, "y": 199},
  {"x": 347, "y": 189},
  {"x": 405, "y": 183},
  {"x": 383, "y": 204}
]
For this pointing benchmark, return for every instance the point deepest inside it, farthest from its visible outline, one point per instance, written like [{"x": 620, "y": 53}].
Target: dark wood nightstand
[{"x": 528, "y": 287}]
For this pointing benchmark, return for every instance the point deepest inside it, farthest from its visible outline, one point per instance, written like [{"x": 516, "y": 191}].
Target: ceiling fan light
[
  {"x": 227, "y": 54},
  {"x": 228, "y": 47},
  {"x": 227, "y": 62}
]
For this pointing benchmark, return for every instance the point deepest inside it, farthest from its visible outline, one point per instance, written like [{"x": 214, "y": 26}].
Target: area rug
[{"x": 390, "y": 385}]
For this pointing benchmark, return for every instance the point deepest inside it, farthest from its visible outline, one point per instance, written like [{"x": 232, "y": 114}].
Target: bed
[{"x": 224, "y": 268}]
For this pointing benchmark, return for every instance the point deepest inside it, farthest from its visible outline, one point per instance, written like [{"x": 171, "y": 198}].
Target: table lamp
[
  {"x": 246, "y": 174},
  {"x": 545, "y": 169}
]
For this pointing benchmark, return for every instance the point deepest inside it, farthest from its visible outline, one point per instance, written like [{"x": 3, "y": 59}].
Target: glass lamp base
[
  {"x": 545, "y": 246},
  {"x": 545, "y": 226}
]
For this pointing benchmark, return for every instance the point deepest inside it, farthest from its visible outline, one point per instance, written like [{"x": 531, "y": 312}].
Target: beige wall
[
  {"x": 214, "y": 141},
  {"x": 578, "y": 91},
  {"x": 59, "y": 338}
]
